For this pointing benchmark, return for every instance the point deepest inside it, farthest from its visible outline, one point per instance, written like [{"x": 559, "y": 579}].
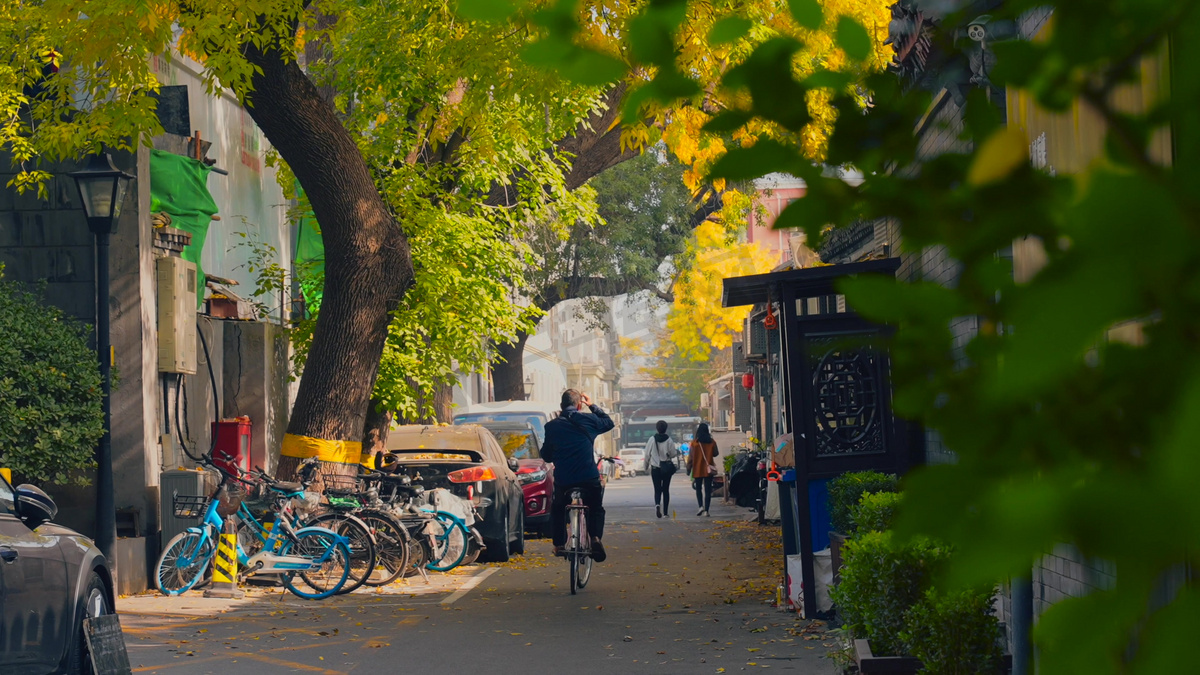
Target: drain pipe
[{"x": 1022, "y": 625}]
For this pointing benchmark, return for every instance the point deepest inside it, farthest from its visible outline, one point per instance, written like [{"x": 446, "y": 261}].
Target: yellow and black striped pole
[{"x": 224, "y": 576}]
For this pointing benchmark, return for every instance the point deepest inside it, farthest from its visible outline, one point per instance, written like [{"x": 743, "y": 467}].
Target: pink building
[{"x": 775, "y": 192}]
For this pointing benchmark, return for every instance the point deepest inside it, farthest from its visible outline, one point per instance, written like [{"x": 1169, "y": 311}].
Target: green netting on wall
[
  {"x": 310, "y": 260},
  {"x": 179, "y": 188}
]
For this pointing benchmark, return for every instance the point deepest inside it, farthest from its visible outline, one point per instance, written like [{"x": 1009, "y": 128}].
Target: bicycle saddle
[{"x": 286, "y": 487}]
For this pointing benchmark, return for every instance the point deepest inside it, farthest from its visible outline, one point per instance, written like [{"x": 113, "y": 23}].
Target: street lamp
[
  {"x": 102, "y": 188},
  {"x": 528, "y": 386}
]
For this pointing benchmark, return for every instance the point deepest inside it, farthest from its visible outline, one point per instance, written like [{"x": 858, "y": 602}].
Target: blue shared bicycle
[{"x": 313, "y": 562}]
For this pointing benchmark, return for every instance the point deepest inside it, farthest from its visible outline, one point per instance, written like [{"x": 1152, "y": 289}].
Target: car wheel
[
  {"x": 94, "y": 603},
  {"x": 499, "y": 551}
]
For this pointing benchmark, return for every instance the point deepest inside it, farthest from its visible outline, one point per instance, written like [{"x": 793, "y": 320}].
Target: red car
[{"x": 536, "y": 477}]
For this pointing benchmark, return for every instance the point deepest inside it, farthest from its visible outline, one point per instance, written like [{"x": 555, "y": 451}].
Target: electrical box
[{"x": 176, "y": 315}]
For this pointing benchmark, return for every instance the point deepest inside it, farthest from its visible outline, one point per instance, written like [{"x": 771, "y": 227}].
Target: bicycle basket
[
  {"x": 189, "y": 506},
  {"x": 337, "y": 484},
  {"x": 229, "y": 498}
]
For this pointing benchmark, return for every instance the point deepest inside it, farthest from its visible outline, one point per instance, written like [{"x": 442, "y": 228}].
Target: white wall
[{"x": 250, "y": 190}]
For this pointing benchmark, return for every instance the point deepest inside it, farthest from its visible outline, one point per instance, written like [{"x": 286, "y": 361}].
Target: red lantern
[{"x": 748, "y": 380}]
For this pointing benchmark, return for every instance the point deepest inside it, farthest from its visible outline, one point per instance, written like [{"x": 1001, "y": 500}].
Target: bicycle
[
  {"x": 578, "y": 550},
  {"x": 320, "y": 557}
]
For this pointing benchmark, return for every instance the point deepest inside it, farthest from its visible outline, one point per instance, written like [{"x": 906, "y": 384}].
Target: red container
[{"x": 233, "y": 444}]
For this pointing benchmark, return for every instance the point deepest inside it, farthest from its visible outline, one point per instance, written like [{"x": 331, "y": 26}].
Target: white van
[{"x": 536, "y": 413}]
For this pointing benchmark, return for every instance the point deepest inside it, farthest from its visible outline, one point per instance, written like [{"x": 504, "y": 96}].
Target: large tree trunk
[
  {"x": 367, "y": 264},
  {"x": 508, "y": 373}
]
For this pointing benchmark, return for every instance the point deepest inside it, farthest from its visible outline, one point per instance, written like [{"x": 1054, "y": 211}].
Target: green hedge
[
  {"x": 880, "y": 581},
  {"x": 875, "y": 512},
  {"x": 846, "y": 490},
  {"x": 954, "y": 633},
  {"x": 50, "y": 417}
]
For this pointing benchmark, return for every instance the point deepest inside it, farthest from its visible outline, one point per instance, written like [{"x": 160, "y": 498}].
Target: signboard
[{"x": 106, "y": 644}]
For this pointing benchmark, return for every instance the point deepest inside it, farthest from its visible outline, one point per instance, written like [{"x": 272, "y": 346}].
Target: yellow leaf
[{"x": 999, "y": 156}]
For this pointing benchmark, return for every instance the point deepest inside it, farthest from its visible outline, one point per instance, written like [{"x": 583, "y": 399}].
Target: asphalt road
[{"x": 681, "y": 594}]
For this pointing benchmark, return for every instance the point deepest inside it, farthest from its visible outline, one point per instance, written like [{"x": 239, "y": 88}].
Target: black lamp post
[
  {"x": 528, "y": 384},
  {"x": 102, "y": 188}
]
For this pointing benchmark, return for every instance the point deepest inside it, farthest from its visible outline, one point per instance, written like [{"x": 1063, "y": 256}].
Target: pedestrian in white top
[{"x": 661, "y": 452}]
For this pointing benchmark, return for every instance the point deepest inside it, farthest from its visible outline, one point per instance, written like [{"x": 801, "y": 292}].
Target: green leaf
[
  {"x": 828, "y": 79},
  {"x": 486, "y": 10},
  {"x": 853, "y": 38},
  {"x": 727, "y": 121},
  {"x": 764, "y": 157},
  {"x": 808, "y": 13},
  {"x": 729, "y": 29},
  {"x": 651, "y": 40}
]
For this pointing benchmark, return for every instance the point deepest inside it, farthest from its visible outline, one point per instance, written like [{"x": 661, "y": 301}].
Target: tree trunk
[
  {"x": 367, "y": 263},
  {"x": 375, "y": 430},
  {"x": 508, "y": 373},
  {"x": 443, "y": 403}
]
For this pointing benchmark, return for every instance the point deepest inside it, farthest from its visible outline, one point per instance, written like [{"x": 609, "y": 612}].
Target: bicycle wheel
[
  {"x": 583, "y": 569},
  {"x": 361, "y": 542},
  {"x": 391, "y": 547},
  {"x": 332, "y": 556},
  {"x": 183, "y": 562},
  {"x": 420, "y": 550},
  {"x": 450, "y": 545},
  {"x": 575, "y": 550}
]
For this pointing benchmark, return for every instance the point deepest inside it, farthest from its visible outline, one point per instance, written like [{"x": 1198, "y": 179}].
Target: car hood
[{"x": 533, "y": 464}]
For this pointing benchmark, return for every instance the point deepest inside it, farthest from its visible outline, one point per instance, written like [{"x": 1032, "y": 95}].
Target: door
[{"x": 36, "y": 615}]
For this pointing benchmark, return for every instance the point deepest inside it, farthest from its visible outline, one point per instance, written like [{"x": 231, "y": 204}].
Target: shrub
[
  {"x": 875, "y": 511},
  {"x": 847, "y": 489},
  {"x": 50, "y": 416},
  {"x": 880, "y": 581},
  {"x": 954, "y": 633}
]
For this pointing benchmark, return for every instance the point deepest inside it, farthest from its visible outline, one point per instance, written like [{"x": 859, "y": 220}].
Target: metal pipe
[{"x": 1022, "y": 625}]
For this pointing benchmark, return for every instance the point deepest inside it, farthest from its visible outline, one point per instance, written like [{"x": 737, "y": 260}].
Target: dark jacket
[{"x": 569, "y": 444}]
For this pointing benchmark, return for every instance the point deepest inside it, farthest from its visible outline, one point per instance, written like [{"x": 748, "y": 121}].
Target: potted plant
[
  {"x": 845, "y": 491},
  {"x": 897, "y": 621}
]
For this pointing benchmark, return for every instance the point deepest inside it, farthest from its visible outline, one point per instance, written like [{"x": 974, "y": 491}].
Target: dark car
[
  {"x": 51, "y": 579},
  {"x": 468, "y": 461},
  {"x": 520, "y": 440}
]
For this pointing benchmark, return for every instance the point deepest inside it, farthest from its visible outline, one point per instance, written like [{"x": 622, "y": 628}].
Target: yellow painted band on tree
[{"x": 303, "y": 447}]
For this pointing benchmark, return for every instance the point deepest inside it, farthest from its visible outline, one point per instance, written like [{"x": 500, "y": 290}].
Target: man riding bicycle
[{"x": 569, "y": 446}]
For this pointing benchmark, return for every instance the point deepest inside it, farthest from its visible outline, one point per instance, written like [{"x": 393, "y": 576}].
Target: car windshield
[
  {"x": 537, "y": 420},
  {"x": 516, "y": 443}
]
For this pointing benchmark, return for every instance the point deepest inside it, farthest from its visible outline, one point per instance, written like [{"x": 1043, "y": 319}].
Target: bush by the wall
[
  {"x": 847, "y": 489},
  {"x": 50, "y": 417},
  {"x": 954, "y": 633},
  {"x": 874, "y": 512},
  {"x": 880, "y": 581}
]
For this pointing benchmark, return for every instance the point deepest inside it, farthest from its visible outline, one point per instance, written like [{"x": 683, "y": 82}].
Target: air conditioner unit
[
  {"x": 756, "y": 338},
  {"x": 176, "y": 315}
]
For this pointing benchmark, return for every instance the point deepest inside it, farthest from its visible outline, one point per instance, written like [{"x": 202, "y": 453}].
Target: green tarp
[
  {"x": 179, "y": 188},
  {"x": 310, "y": 258}
]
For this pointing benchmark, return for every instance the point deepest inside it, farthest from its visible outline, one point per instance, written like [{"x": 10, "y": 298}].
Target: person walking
[
  {"x": 702, "y": 467},
  {"x": 661, "y": 452}
]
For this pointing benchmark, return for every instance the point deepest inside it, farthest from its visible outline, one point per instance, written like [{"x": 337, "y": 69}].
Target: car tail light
[{"x": 472, "y": 474}]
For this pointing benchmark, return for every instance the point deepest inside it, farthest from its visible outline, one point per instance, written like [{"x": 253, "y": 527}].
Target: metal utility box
[
  {"x": 232, "y": 447},
  {"x": 181, "y": 482},
  {"x": 176, "y": 315}
]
